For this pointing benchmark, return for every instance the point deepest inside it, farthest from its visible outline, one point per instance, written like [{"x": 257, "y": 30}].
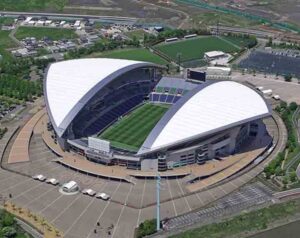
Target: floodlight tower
[{"x": 158, "y": 178}]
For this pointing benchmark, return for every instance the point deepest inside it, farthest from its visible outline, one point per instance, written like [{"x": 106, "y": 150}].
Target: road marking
[
  {"x": 36, "y": 198},
  {"x": 141, "y": 204},
  {"x": 221, "y": 187},
  {"x": 84, "y": 211},
  {"x": 20, "y": 194},
  {"x": 41, "y": 211},
  {"x": 172, "y": 197},
  {"x": 122, "y": 210},
  {"x": 199, "y": 198},
  {"x": 185, "y": 199},
  {"x": 17, "y": 184},
  {"x": 12, "y": 177},
  {"x": 65, "y": 209},
  {"x": 101, "y": 214}
]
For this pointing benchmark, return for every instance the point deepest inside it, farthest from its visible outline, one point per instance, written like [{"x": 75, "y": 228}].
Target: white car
[
  {"x": 89, "y": 192},
  {"x": 39, "y": 177},
  {"x": 103, "y": 196},
  {"x": 52, "y": 181}
]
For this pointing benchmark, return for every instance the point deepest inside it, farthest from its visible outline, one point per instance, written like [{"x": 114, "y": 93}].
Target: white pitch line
[
  {"x": 101, "y": 214},
  {"x": 172, "y": 197},
  {"x": 140, "y": 211},
  {"x": 122, "y": 210}
]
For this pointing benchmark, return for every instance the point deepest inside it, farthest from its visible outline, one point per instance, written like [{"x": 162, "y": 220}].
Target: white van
[{"x": 70, "y": 186}]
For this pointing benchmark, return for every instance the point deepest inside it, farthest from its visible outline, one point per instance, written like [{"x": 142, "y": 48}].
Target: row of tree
[
  {"x": 2, "y": 132},
  {"x": 275, "y": 166},
  {"x": 9, "y": 227},
  {"x": 102, "y": 46},
  {"x": 14, "y": 76}
]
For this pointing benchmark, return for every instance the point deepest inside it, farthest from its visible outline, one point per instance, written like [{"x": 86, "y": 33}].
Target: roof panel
[
  {"x": 69, "y": 81},
  {"x": 208, "y": 108}
]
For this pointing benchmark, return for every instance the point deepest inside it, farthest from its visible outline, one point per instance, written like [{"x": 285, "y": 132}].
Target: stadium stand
[{"x": 169, "y": 90}]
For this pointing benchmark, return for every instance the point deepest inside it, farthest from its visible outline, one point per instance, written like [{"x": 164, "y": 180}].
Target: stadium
[{"x": 123, "y": 112}]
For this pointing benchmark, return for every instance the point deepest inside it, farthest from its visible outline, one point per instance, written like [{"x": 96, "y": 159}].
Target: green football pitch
[
  {"x": 193, "y": 49},
  {"x": 139, "y": 54},
  {"x": 130, "y": 132}
]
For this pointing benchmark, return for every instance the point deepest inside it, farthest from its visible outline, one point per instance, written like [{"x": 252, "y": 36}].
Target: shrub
[{"x": 148, "y": 227}]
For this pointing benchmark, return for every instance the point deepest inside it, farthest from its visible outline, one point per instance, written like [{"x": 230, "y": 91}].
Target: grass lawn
[
  {"x": 5, "y": 43},
  {"x": 195, "y": 48},
  {"x": 139, "y": 54},
  {"x": 131, "y": 131},
  {"x": 213, "y": 18},
  {"x": 139, "y": 34},
  {"x": 31, "y": 5},
  {"x": 252, "y": 221},
  {"x": 239, "y": 41},
  {"x": 40, "y": 32}
]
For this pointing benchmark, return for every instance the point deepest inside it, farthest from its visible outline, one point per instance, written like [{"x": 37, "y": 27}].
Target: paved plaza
[{"x": 131, "y": 202}]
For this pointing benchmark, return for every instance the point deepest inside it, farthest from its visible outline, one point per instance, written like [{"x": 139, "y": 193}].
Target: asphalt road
[{"x": 113, "y": 19}]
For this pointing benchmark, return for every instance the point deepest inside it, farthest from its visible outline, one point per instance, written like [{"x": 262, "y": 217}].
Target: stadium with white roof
[{"x": 125, "y": 112}]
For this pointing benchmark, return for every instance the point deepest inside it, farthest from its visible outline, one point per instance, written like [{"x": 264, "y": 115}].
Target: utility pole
[{"x": 158, "y": 202}]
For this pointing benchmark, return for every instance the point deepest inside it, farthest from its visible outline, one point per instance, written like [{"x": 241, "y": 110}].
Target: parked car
[
  {"x": 52, "y": 181},
  {"x": 89, "y": 192},
  {"x": 103, "y": 196},
  {"x": 39, "y": 177}
]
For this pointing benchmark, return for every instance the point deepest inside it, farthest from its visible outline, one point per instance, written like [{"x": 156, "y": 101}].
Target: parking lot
[
  {"x": 77, "y": 215},
  {"x": 246, "y": 197},
  {"x": 84, "y": 216},
  {"x": 288, "y": 91}
]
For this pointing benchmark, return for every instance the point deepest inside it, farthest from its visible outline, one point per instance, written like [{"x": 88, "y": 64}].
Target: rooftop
[{"x": 209, "y": 108}]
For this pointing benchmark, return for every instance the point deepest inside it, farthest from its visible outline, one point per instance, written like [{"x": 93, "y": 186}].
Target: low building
[{"x": 212, "y": 55}]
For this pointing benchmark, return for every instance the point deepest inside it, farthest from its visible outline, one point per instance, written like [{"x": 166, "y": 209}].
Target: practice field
[
  {"x": 132, "y": 130},
  {"x": 31, "y": 5},
  {"x": 5, "y": 41},
  {"x": 41, "y": 32},
  {"x": 135, "y": 54},
  {"x": 195, "y": 48}
]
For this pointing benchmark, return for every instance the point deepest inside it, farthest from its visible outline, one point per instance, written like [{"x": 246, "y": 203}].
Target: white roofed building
[
  {"x": 71, "y": 85},
  {"x": 214, "y": 118},
  {"x": 211, "y": 55}
]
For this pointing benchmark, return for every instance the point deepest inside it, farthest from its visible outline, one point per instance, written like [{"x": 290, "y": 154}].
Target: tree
[
  {"x": 270, "y": 42},
  {"x": 285, "y": 180},
  {"x": 146, "y": 228},
  {"x": 8, "y": 219},
  {"x": 283, "y": 105},
  {"x": 293, "y": 177},
  {"x": 288, "y": 77},
  {"x": 9, "y": 232},
  {"x": 293, "y": 106}
]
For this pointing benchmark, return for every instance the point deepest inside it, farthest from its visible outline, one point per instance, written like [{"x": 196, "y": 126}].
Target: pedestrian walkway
[{"x": 20, "y": 148}]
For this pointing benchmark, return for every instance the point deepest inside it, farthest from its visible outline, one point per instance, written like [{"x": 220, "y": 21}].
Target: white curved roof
[
  {"x": 69, "y": 81},
  {"x": 207, "y": 109}
]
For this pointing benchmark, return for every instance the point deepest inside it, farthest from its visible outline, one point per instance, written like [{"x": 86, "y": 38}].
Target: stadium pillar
[{"x": 158, "y": 202}]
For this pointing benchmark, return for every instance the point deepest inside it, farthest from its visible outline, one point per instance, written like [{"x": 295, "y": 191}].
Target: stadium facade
[{"x": 204, "y": 121}]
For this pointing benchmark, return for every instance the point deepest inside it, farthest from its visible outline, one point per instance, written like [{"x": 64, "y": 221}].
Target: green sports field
[
  {"x": 41, "y": 32},
  {"x": 193, "y": 49},
  {"x": 139, "y": 54},
  {"x": 131, "y": 131}
]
